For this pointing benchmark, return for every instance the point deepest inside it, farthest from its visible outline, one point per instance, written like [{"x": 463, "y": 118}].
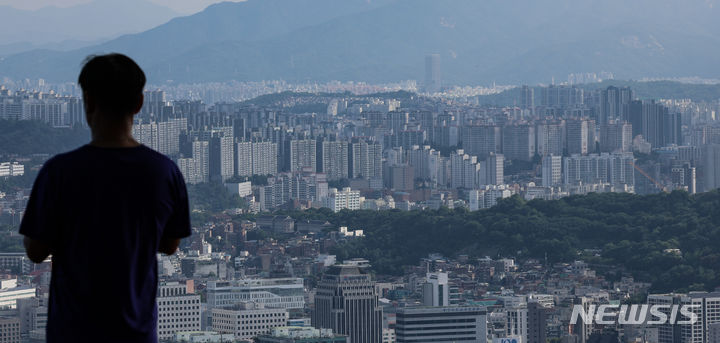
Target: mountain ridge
[{"x": 518, "y": 41}]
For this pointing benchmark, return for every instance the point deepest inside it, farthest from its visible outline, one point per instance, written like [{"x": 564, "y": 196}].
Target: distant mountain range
[
  {"x": 67, "y": 27},
  {"x": 480, "y": 41}
]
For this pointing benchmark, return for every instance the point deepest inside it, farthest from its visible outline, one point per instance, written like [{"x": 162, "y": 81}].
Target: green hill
[{"x": 631, "y": 231}]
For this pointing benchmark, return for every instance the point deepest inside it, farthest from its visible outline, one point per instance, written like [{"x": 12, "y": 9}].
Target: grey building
[
  {"x": 347, "y": 302},
  {"x": 441, "y": 324}
]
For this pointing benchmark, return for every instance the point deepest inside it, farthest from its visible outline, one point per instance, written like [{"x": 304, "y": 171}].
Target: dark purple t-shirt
[{"x": 104, "y": 211}]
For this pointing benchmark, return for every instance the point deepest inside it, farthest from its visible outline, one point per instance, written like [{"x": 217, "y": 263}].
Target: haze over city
[{"x": 363, "y": 171}]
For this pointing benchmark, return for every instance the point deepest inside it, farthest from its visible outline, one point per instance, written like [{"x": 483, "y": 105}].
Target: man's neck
[{"x": 112, "y": 133}]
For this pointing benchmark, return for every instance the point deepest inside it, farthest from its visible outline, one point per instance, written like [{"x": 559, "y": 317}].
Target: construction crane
[{"x": 658, "y": 184}]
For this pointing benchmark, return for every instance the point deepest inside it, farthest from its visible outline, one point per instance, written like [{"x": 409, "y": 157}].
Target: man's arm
[
  {"x": 37, "y": 251},
  {"x": 168, "y": 246}
]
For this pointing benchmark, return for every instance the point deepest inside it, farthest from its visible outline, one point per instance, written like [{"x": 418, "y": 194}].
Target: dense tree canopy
[
  {"x": 634, "y": 234},
  {"x": 25, "y": 137}
]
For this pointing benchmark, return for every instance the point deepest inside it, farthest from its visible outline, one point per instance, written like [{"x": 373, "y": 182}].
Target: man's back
[{"x": 104, "y": 211}]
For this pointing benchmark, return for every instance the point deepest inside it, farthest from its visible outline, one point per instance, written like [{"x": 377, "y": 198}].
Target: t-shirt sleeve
[
  {"x": 40, "y": 221},
  {"x": 178, "y": 226}
]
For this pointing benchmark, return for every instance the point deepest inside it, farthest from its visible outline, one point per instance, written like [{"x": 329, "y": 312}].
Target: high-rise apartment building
[
  {"x": 366, "y": 160},
  {"x": 256, "y": 158},
  {"x": 481, "y": 140},
  {"x": 616, "y": 136},
  {"x": 580, "y": 136},
  {"x": 615, "y": 169},
  {"x": 550, "y": 138},
  {"x": 302, "y": 155},
  {"x": 346, "y": 198},
  {"x": 346, "y": 301},
  {"x": 551, "y": 171},
  {"x": 519, "y": 142},
  {"x": 335, "y": 159}
]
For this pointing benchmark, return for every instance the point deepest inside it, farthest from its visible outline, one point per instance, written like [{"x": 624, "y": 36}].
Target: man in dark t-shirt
[{"x": 104, "y": 211}]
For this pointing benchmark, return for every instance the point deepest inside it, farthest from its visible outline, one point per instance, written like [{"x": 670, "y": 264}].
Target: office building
[
  {"x": 248, "y": 320},
  {"x": 10, "y": 292},
  {"x": 179, "y": 309},
  {"x": 284, "y": 293},
  {"x": 441, "y": 324},
  {"x": 436, "y": 290},
  {"x": 346, "y": 301},
  {"x": 10, "y": 330}
]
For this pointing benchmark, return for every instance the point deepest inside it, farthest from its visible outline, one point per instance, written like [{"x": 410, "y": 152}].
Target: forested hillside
[{"x": 633, "y": 233}]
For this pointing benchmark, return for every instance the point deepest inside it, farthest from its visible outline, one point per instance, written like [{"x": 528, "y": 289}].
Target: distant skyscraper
[
  {"x": 347, "y": 302},
  {"x": 527, "y": 99},
  {"x": 433, "y": 82}
]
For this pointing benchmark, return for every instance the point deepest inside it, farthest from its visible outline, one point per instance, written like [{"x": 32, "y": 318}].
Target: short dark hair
[{"x": 114, "y": 81}]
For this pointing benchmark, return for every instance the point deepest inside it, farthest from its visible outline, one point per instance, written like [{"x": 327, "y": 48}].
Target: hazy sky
[{"x": 182, "y": 6}]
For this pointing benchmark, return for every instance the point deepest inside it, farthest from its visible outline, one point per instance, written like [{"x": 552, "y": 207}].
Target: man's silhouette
[{"x": 104, "y": 211}]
